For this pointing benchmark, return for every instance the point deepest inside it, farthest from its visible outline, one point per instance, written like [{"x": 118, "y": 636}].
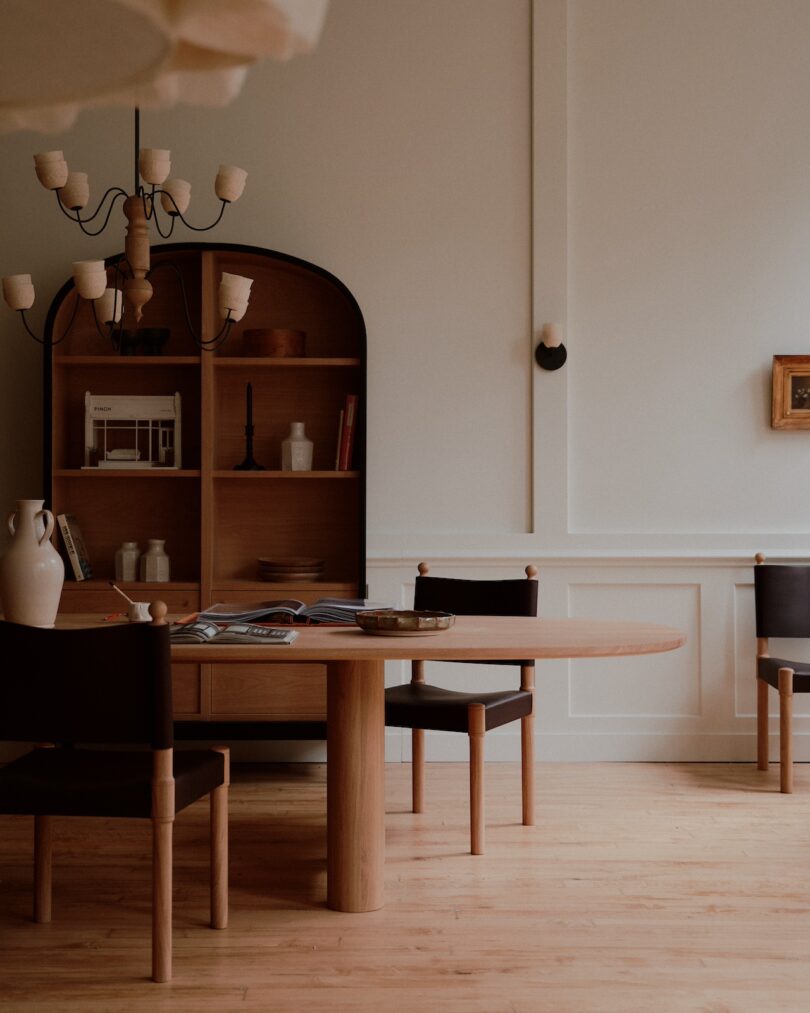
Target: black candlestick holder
[{"x": 249, "y": 463}]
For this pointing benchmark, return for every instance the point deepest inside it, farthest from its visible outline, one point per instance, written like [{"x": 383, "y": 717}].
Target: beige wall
[
  {"x": 397, "y": 157},
  {"x": 647, "y": 186}
]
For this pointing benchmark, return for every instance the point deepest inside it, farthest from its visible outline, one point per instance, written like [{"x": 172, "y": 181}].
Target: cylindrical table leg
[
  {"x": 355, "y": 785},
  {"x": 42, "y": 868}
]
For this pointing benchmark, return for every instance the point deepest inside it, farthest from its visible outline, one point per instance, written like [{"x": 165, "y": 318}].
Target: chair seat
[
  {"x": 93, "y": 782},
  {"x": 768, "y": 670},
  {"x": 420, "y": 705}
]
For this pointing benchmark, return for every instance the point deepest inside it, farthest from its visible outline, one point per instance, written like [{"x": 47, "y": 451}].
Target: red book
[
  {"x": 347, "y": 435},
  {"x": 339, "y": 441}
]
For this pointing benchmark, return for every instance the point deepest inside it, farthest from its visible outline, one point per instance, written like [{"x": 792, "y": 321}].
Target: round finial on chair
[
  {"x": 531, "y": 571},
  {"x": 158, "y": 610},
  {"x": 424, "y": 569},
  {"x": 760, "y": 557}
]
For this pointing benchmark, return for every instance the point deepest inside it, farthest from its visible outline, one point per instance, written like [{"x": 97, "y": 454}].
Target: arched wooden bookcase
[{"x": 217, "y": 521}]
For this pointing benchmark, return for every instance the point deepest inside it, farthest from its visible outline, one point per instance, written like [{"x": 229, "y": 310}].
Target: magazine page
[
  {"x": 245, "y": 612},
  {"x": 340, "y": 610},
  {"x": 193, "y": 633},
  {"x": 249, "y": 633}
]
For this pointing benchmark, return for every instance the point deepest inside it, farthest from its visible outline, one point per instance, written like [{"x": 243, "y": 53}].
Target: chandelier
[
  {"x": 154, "y": 53},
  {"x": 153, "y": 194}
]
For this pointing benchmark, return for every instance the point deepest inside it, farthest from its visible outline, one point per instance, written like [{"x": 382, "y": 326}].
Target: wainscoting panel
[{"x": 652, "y": 686}]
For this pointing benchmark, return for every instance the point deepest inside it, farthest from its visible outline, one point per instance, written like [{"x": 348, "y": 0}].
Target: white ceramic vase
[
  {"x": 31, "y": 572},
  {"x": 126, "y": 561},
  {"x": 154, "y": 562},
  {"x": 296, "y": 450}
]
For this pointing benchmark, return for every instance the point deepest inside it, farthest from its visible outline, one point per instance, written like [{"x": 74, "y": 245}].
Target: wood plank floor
[{"x": 649, "y": 887}]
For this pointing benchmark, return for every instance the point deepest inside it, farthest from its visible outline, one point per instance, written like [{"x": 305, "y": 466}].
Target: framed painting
[{"x": 790, "y": 406}]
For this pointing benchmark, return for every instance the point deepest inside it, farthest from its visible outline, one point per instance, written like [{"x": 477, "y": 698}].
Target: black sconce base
[{"x": 550, "y": 358}]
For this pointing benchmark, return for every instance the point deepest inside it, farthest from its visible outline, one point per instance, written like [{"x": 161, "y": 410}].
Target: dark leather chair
[
  {"x": 782, "y": 603},
  {"x": 71, "y": 689},
  {"x": 419, "y": 706}
]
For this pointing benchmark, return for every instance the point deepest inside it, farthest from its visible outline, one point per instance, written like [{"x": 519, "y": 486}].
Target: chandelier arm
[
  {"x": 178, "y": 214},
  {"x": 43, "y": 341},
  {"x": 116, "y": 190},
  {"x": 148, "y": 200},
  {"x": 31, "y": 334},
  {"x": 161, "y": 233},
  {"x": 205, "y": 344},
  {"x": 214, "y": 343},
  {"x": 70, "y": 322},
  {"x": 81, "y": 222},
  {"x": 111, "y": 332}
]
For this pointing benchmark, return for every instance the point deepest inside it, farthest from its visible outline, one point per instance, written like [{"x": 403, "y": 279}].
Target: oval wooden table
[{"x": 356, "y": 712}]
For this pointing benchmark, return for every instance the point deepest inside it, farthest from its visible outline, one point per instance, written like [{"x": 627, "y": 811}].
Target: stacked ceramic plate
[{"x": 289, "y": 569}]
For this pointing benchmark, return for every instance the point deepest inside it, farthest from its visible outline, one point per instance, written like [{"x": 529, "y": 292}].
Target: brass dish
[{"x": 396, "y": 623}]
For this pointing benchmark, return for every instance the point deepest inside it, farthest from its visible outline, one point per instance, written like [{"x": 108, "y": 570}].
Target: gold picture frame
[{"x": 790, "y": 405}]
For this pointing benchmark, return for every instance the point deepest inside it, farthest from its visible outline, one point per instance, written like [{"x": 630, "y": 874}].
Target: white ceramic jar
[
  {"x": 155, "y": 562},
  {"x": 31, "y": 571},
  {"x": 126, "y": 561},
  {"x": 296, "y": 450}
]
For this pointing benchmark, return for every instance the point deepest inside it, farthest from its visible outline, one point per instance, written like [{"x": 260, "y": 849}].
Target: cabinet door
[{"x": 275, "y": 692}]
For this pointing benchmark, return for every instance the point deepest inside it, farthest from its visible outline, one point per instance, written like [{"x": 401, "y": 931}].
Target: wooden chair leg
[
  {"x": 762, "y": 724},
  {"x": 527, "y": 748},
  {"x": 219, "y": 846},
  {"x": 418, "y": 739},
  {"x": 162, "y": 900},
  {"x": 43, "y": 826},
  {"x": 418, "y": 769},
  {"x": 786, "y": 730},
  {"x": 477, "y": 728},
  {"x": 527, "y": 768},
  {"x": 162, "y": 827}
]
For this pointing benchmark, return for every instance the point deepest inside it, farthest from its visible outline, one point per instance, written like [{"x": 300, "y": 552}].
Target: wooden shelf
[
  {"x": 74, "y": 361},
  {"x": 279, "y": 362},
  {"x": 287, "y": 476},
  {"x": 92, "y": 473},
  {"x": 142, "y": 587},
  {"x": 321, "y": 588}
]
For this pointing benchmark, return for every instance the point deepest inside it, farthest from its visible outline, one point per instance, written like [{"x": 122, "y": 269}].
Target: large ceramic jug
[{"x": 31, "y": 572}]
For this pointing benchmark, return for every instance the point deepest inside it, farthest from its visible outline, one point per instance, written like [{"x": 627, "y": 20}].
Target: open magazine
[
  {"x": 202, "y": 631},
  {"x": 290, "y": 610}
]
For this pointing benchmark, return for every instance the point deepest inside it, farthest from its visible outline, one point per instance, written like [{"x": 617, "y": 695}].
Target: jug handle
[
  {"x": 48, "y": 524},
  {"x": 10, "y": 522}
]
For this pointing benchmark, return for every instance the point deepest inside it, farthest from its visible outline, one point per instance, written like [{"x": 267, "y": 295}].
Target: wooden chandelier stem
[{"x": 137, "y": 289}]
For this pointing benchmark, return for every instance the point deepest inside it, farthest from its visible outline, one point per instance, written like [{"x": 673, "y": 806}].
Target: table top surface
[{"x": 470, "y": 638}]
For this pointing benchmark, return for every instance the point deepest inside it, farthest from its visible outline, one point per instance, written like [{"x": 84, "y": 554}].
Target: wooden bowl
[{"x": 280, "y": 342}]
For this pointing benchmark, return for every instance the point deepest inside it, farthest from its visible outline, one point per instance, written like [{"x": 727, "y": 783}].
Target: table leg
[{"x": 355, "y": 784}]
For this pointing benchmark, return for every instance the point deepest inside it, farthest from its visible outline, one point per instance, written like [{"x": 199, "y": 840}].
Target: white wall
[{"x": 635, "y": 170}]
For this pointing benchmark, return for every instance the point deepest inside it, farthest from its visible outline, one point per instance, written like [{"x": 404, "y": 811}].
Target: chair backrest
[
  {"x": 782, "y": 600},
  {"x": 106, "y": 685},
  {"x": 465, "y": 597}
]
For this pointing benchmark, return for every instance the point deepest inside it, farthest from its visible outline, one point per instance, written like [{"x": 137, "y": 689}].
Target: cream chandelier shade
[{"x": 60, "y": 56}]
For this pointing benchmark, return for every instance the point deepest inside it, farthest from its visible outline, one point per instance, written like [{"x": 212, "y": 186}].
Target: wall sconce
[{"x": 550, "y": 353}]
